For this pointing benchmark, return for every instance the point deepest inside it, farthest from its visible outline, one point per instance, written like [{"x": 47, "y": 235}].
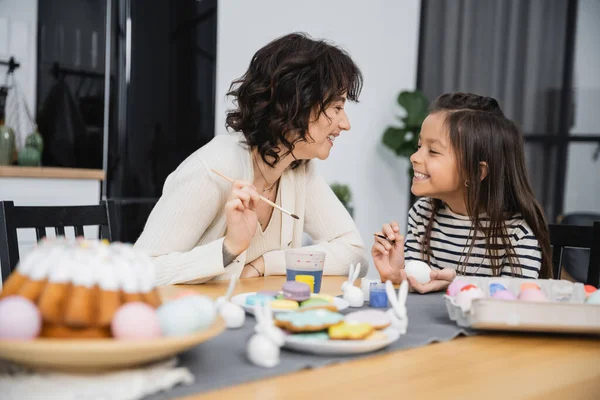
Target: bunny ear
[
  {"x": 391, "y": 293},
  {"x": 258, "y": 314},
  {"x": 356, "y": 272},
  {"x": 231, "y": 287},
  {"x": 268, "y": 314},
  {"x": 403, "y": 292},
  {"x": 351, "y": 272}
]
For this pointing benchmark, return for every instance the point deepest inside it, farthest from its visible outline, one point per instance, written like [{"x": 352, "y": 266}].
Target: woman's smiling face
[{"x": 323, "y": 131}]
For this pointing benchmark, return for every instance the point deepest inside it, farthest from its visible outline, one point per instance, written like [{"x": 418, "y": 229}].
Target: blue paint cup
[{"x": 377, "y": 295}]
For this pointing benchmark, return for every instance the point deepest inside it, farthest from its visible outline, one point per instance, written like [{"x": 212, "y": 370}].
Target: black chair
[
  {"x": 58, "y": 217},
  {"x": 579, "y": 237}
]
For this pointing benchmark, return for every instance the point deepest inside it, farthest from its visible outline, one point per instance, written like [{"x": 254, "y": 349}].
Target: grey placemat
[{"x": 221, "y": 362}]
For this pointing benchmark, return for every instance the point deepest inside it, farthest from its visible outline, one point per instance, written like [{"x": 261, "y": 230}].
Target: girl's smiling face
[{"x": 435, "y": 164}]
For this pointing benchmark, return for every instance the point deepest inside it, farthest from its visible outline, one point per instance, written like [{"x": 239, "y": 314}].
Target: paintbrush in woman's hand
[{"x": 269, "y": 202}]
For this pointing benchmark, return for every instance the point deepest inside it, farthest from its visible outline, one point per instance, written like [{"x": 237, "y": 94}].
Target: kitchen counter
[{"x": 51, "y": 172}]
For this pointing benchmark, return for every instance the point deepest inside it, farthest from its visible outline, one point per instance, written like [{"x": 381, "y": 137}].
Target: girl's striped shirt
[{"x": 451, "y": 238}]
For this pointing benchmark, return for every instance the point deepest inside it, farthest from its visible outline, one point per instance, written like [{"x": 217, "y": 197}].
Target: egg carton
[{"x": 565, "y": 312}]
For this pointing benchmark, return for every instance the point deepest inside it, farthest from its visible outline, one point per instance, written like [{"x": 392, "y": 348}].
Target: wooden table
[{"x": 507, "y": 366}]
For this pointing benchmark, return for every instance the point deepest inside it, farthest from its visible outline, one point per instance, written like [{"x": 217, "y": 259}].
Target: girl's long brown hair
[{"x": 479, "y": 132}]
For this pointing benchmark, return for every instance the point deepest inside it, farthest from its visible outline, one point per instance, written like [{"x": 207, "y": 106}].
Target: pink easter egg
[
  {"x": 455, "y": 287},
  {"x": 135, "y": 320},
  {"x": 504, "y": 295},
  {"x": 532, "y": 295},
  {"x": 19, "y": 318}
]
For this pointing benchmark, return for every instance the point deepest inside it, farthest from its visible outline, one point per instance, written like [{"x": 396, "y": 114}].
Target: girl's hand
[
  {"x": 440, "y": 279},
  {"x": 241, "y": 217},
  {"x": 388, "y": 255},
  {"x": 251, "y": 272}
]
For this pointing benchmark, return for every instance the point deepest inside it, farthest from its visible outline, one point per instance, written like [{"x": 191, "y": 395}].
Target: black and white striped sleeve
[
  {"x": 529, "y": 254},
  {"x": 413, "y": 237}
]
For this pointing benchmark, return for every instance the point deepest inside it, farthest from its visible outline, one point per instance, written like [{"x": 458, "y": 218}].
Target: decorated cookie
[
  {"x": 283, "y": 304},
  {"x": 327, "y": 297},
  {"x": 308, "y": 321},
  {"x": 350, "y": 331},
  {"x": 377, "y": 335},
  {"x": 296, "y": 291},
  {"x": 258, "y": 299},
  {"x": 323, "y": 335},
  {"x": 313, "y": 303},
  {"x": 377, "y": 318}
]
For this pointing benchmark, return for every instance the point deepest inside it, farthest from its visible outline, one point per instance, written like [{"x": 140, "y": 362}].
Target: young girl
[{"x": 477, "y": 215}]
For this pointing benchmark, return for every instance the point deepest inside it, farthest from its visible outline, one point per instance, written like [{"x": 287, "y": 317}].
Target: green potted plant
[
  {"x": 403, "y": 140},
  {"x": 344, "y": 194}
]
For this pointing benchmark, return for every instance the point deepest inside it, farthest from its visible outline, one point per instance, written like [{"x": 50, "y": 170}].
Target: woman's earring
[{"x": 467, "y": 183}]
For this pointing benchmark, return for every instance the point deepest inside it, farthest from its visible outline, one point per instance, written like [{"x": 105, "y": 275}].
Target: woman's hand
[
  {"x": 256, "y": 269},
  {"x": 440, "y": 279},
  {"x": 388, "y": 255},
  {"x": 241, "y": 217}
]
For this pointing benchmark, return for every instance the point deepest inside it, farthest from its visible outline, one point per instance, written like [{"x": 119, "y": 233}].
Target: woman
[{"x": 289, "y": 109}]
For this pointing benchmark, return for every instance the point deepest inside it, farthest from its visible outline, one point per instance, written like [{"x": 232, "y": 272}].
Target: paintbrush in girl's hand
[
  {"x": 269, "y": 202},
  {"x": 383, "y": 237}
]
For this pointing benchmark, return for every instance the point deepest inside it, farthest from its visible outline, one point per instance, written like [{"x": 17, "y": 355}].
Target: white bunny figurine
[
  {"x": 353, "y": 294},
  {"x": 397, "y": 313},
  {"x": 264, "y": 346},
  {"x": 233, "y": 315}
]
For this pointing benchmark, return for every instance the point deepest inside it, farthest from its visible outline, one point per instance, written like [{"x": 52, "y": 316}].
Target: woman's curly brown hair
[{"x": 286, "y": 81}]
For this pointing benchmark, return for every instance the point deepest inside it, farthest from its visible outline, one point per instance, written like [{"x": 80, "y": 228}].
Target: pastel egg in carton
[{"x": 563, "y": 309}]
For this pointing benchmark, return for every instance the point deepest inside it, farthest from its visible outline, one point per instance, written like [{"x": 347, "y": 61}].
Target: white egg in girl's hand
[
  {"x": 418, "y": 270},
  {"x": 186, "y": 315}
]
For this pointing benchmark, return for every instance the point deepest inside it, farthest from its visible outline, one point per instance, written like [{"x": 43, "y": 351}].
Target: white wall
[
  {"x": 583, "y": 185},
  {"x": 382, "y": 37},
  {"x": 18, "y": 38}
]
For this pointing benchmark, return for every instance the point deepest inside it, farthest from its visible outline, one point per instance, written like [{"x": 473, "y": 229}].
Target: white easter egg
[
  {"x": 418, "y": 270},
  {"x": 464, "y": 298}
]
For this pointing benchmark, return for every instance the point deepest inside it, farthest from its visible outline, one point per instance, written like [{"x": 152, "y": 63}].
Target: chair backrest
[
  {"x": 40, "y": 217},
  {"x": 577, "y": 236}
]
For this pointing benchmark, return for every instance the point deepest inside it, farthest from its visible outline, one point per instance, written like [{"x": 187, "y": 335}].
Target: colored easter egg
[
  {"x": 496, "y": 287},
  {"x": 589, "y": 289},
  {"x": 455, "y": 287},
  {"x": 468, "y": 287},
  {"x": 207, "y": 311},
  {"x": 418, "y": 270},
  {"x": 186, "y": 315},
  {"x": 465, "y": 297},
  {"x": 533, "y": 295},
  {"x": 135, "y": 320},
  {"x": 503, "y": 295},
  {"x": 529, "y": 285},
  {"x": 594, "y": 298},
  {"x": 19, "y": 318}
]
